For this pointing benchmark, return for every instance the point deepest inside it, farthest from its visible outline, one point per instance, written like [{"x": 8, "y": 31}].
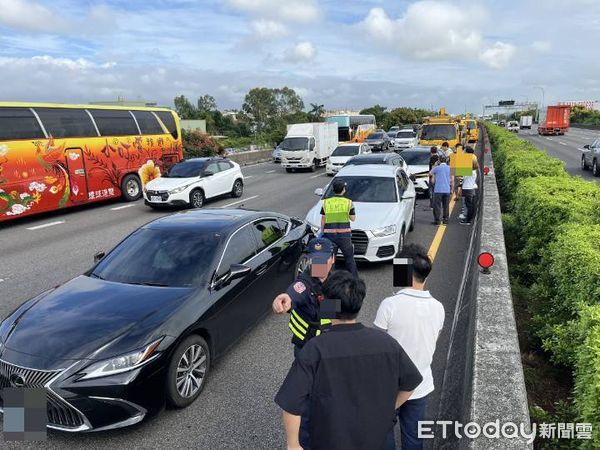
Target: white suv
[
  {"x": 406, "y": 138},
  {"x": 384, "y": 199},
  {"x": 192, "y": 181},
  {"x": 342, "y": 154}
]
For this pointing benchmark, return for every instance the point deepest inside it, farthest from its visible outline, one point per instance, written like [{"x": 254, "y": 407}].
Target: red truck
[{"x": 555, "y": 120}]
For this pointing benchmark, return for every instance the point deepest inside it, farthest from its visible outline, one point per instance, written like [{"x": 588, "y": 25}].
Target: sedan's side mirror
[
  {"x": 586, "y": 146},
  {"x": 208, "y": 173},
  {"x": 98, "y": 256},
  {"x": 235, "y": 272},
  {"x": 319, "y": 192},
  {"x": 412, "y": 177}
]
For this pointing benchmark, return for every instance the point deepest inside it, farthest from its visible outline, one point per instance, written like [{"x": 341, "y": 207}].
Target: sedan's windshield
[
  {"x": 406, "y": 135},
  {"x": 438, "y": 132},
  {"x": 367, "y": 189},
  {"x": 416, "y": 158},
  {"x": 159, "y": 258},
  {"x": 294, "y": 144},
  {"x": 376, "y": 136},
  {"x": 346, "y": 150},
  {"x": 186, "y": 169}
]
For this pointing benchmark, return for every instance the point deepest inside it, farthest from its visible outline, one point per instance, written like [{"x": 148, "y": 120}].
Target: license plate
[{"x": 155, "y": 198}]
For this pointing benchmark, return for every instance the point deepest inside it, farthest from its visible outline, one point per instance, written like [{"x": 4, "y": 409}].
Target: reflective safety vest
[
  {"x": 303, "y": 328},
  {"x": 337, "y": 214}
]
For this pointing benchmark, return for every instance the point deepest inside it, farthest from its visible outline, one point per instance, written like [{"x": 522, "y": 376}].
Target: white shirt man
[{"x": 415, "y": 319}]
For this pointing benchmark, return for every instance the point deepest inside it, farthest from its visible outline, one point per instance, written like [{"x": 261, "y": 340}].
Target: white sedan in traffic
[
  {"x": 342, "y": 154},
  {"x": 191, "y": 182},
  {"x": 406, "y": 138},
  {"x": 384, "y": 199},
  {"x": 417, "y": 159}
]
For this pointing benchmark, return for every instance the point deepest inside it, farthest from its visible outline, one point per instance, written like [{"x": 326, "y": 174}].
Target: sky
[{"x": 345, "y": 54}]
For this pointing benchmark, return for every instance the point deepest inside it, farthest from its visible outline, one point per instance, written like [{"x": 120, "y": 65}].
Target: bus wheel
[{"x": 131, "y": 188}]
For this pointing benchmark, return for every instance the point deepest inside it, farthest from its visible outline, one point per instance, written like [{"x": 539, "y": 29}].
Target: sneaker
[
  {"x": 462, "y": 216},
  {"x": 464, "y": 222}
]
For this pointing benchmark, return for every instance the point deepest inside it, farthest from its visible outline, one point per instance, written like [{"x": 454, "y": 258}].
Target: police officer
[
  {"x": 336, "y": 214},
  {"x": 304, "y": 295}
]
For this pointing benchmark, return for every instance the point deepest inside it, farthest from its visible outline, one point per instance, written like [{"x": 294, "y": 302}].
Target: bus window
[
  {"x": 66, "y": 122},
  {"x": 169, "y": 121},
  {"x": 19, "y": 123},
  {"x": 114, "y": 122},
  {"x": 147, "y": 122}
]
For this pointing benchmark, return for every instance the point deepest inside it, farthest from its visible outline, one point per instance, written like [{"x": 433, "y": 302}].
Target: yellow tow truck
[
  {"x": 439, "y": 129},
  {"x": 470, "y": 129}
]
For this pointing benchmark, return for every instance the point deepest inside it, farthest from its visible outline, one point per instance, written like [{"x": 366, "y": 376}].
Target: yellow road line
[{"x": 437, "y": 239}]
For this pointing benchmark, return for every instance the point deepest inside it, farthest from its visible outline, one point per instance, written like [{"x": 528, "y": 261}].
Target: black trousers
[
  {"x": 441, "y": 205},
  {"x": 470, "y": 196},
  {"x": 344, "y": 242}
]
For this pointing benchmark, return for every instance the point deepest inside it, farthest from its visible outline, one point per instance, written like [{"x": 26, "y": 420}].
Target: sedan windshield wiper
[
  {"x": 96, "y": 276},
  {"x": 149, "y": 283}
]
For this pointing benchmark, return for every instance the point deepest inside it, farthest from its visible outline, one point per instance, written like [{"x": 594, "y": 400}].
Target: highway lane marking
[
  {"x": 46, "y": 225},
  {"x": 562, "y": 143},
  {"x": 240, "y": 201},
  {"x": 248, "y": 176},
  {"x": 1, "y": 280},
  {"x": 116, "y": 208},
  {"x": 317, "y": 176},
  {"x": 270, "y": 171},
  {"x": 437, "y": 239}
]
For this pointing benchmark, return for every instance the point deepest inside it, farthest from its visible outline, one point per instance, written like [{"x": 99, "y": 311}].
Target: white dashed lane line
[
  {"x": 562, "y": 143},
  {"x": 46, "y": 225},
  {"x": 117, "y": 208},
  {"x": 239, "y": 201},
  {"x": 270, "y": 171},
  {"x": 248, "y": 176},
  {"x": 317, "y": 176}
]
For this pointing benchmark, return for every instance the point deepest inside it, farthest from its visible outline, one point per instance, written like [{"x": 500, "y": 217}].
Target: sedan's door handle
[{"x": 261, "y": 269}]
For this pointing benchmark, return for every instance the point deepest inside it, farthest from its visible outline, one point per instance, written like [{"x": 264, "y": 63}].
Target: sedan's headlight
[
  {"x": 123, "y": 363},
  {"x": 384, "y": 231},
  {"x": 314, "y": 228},
  {"x": 179, "y": 190}
]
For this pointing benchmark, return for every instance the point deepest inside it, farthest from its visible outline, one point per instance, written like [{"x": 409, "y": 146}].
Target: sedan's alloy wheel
[{"x": 191, "y": 370}]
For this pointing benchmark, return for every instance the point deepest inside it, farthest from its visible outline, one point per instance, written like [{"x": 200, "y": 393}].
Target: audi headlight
[
  {"x": 122, "y": 363},
  {"x": 179, "y": 190},
  {"x": 384, "y": 231}
]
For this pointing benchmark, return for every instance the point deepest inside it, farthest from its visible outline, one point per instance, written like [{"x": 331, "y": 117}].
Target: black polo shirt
[{"x": 348, "y": 378}]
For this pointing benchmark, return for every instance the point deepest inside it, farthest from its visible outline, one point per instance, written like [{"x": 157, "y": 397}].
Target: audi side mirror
[
  {"x": 319, "y": 192},
  {"x": 98, "y": 256},
  {"x": 586, "y": 146},
  {"x": 412, "y": 177},
  {"x": 208, "y": 173}
]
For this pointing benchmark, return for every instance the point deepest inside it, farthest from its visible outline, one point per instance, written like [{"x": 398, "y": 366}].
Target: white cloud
[
  {"x": 436, "y": 30},
  {"x": 301, "y": 52},
  {"x": 299, "y": 11},
  {"x": 29, "y": 16},
  {"x": 265, "y": 28},
  {"x": 541, "y": 46},
  {"x": 498, "y": 56},
  {"x": 46, "y": 62}
]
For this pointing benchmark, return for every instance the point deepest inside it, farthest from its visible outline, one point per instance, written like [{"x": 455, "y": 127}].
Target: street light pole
[{"x": 543, "y": 100}]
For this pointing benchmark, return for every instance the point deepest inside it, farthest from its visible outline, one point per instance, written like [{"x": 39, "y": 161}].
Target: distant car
[
  {"x": 590, "y": 158},
  {"x": 277, "y": 154},
  {"x": 144, "y": 325},
  {"x": 513, "y": 126},
  {"x": 417, "y": 160},
  {"x": 406, "y": 138},
  {"x": 378, "y": 141},
  {"x": 342, "y": 154},
  {"x": 394, "y": 128},
  {"x": 502, "y": 123},
  {"x": 191, "y": 182},
  {"x": 389, "y": 158},
  {"x": 384, "y": 198}
]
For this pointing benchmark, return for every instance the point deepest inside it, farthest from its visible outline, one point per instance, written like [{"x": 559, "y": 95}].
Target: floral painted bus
[{"x": 55, "y": 156}]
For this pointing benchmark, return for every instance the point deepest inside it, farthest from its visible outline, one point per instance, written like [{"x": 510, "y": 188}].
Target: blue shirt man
[{"x": 443, "y": 180}]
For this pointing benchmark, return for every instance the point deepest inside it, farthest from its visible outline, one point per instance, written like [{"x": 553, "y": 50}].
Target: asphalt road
[
  {"x": 567, "y": 147},
  {"x": 236, "y": 409}
]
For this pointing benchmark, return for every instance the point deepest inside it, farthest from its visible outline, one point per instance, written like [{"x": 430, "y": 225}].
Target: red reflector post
[
  {"x": 486, "y": 170},
  {"x": 485, "y": 261}
]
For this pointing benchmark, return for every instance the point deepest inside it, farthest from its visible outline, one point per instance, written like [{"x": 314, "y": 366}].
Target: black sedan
[
  {"x": 378, "y": 141},
  {"x": 392, "y": 159},
  {"x": 145, "y": 323}
]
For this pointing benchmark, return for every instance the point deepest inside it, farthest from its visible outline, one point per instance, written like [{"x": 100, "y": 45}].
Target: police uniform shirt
[
  {"x": 351, "y": 213},
  {"x": 349, "y": 379},
  {"x": 303, "y": 298}
]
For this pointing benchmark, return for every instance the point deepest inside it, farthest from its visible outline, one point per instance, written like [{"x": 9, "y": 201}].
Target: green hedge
[
  {"x": 587, "y": 372},
  {"x": 570, "y": 280},
  {"x": 540, "y": 205},
  {"x": 554, "y": 225}
]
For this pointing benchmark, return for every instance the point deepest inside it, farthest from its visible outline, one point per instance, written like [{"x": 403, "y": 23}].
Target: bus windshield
[{"x": 438, "y": 132}]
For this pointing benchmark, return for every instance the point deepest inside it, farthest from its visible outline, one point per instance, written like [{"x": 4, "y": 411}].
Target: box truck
[
  {"x": 555, "y": 120},
  {"x": 308, "y": 145},
  {"x": 526, "y": 122}
]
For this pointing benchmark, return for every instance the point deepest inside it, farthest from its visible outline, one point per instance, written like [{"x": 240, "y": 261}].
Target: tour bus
[
  {"x": 439, "y": 129},
  {"x": 353, "y": 128},
  {"x": 54, "y": 156}
]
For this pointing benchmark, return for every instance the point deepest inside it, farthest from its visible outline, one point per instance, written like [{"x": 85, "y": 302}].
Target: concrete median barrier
[
  {"x": 498, "y": 393},
  {"x": 251, "y": 157}
]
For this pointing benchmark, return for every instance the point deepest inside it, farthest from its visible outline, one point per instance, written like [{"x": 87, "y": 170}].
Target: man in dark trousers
[
  {"x": 336, "y": 214},
  {"x": 443, "y": 181},
  {"x": 351, "y": 379},
  {"x": 433, "y": 159}
]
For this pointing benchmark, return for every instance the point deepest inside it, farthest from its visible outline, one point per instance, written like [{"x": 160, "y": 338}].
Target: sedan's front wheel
[{"x": 187, "y": 372}]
